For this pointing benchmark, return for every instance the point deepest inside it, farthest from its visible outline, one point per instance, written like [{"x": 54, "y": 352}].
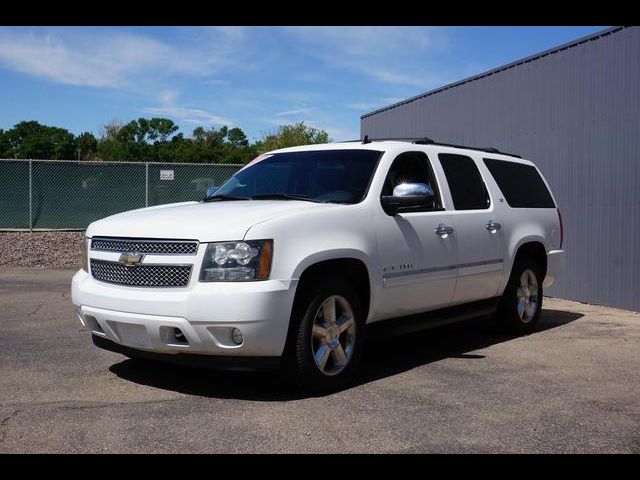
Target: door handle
[
  {"x": 492, "y": 226},
  {"x": 443, "y": 230}
]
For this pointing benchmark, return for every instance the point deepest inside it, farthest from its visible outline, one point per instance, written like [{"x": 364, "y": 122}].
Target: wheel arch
[
  {"x": 352, "y": 266},
  {"x": 534, "y": 249},
  {"x": 530, "y": 245}
]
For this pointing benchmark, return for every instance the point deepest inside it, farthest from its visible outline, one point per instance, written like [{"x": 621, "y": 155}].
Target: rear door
[
  {"x": 531, "y": 207},
  {"x": 480, "y": 239}
]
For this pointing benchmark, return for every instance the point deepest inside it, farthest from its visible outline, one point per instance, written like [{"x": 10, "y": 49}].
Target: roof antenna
[{"x": 366, "y": 139}]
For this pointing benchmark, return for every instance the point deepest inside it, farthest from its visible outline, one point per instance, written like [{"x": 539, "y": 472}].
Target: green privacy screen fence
[{"x": 54, "y": 194}]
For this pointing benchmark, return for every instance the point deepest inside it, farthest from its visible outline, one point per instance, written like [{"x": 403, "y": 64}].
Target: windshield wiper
[
  {"x": 214, "y": 198},
  {"x": 283, "y": 196}
]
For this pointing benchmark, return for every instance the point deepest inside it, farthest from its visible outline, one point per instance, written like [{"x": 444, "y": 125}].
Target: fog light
[{"x": 236, "y": 335}]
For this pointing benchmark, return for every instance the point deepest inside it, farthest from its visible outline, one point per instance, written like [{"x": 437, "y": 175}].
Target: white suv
[{"x": 299, "y": 255}]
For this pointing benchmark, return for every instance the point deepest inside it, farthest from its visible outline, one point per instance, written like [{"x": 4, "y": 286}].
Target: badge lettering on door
[{"x": 403, "y": 267}]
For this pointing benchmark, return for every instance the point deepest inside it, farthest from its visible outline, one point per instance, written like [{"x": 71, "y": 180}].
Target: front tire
[
  {"x": 327, "y": 335},
  {"x": 521, "y": 302}
]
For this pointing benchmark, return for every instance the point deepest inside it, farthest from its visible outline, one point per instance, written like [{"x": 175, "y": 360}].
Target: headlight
[
  {"x": 237, "y": 261},
  {"x": 85, "y": 248}
]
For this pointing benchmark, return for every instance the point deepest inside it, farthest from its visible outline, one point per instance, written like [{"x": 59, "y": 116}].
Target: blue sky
[{"x": 253, "y": 77}]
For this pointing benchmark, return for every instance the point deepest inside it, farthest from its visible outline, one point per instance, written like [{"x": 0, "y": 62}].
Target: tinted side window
[
  {"x": 465, "y": 182},
  {"x": 520, "y": 184}
]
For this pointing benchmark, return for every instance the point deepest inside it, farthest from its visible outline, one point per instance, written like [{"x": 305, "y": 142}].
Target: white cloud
[
  {"x": 194, "y": 116},
  {"x": 359, "y": 41},
  {"x": 99, "y": 62},
  {"x": 184, "y": 73},
  {"x": 295, "y": 111},
  {"x": 391, "y": 55},
  {"x": 116, "y": 58},
  {"x": 168, "y": 96},
  {"x": 361, "y": 106},
  {"x": 217, "y": 82}
]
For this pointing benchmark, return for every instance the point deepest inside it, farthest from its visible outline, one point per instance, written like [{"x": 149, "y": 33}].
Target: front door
[{"x": 418, "y": 265}]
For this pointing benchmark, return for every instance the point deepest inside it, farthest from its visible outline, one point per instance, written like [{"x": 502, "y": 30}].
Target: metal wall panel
[{"x": 576, "y": 114}]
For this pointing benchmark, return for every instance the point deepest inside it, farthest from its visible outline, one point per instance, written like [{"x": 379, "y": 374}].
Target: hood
[{"x": 210, "y": 221}]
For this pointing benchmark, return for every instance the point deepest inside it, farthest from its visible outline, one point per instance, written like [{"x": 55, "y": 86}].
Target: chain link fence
[{"x": 62, "y": 194}]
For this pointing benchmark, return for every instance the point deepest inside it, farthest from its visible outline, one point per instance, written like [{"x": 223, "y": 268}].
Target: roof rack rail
[
  {"x": 480, "y": 149},
  {"x": 417, "y": 140},
  {"x": 428, "y": 141}
]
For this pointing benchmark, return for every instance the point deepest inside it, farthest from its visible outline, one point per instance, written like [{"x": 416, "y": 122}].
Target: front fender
[
  {"x": 337, "y": 254},
  {"x": 332, "y": 254}
]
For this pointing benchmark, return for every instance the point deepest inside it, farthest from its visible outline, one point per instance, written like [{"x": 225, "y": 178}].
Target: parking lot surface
[{"x": 573, "y": 386}]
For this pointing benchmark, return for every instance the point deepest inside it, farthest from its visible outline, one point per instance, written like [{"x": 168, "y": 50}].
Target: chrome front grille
[
  {"x": 141, "y": 275},
  {"x": 151, "y": 247}
]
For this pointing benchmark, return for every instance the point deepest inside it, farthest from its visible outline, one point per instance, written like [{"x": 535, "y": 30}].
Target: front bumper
[
  {"x": 146, "y": 319},
  {"x": 556, "y": 263},
  {"x": 217, "y": 362}
]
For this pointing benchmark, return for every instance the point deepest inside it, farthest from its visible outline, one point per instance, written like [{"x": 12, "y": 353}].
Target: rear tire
[
  {"x": 327, "y": 335},
  {"x": 521, "y": 303}
]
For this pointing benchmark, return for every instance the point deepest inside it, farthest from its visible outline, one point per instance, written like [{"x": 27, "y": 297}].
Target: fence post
[
  {"x": 146, "y": 184},
  {"x": 30, "y": 196}
]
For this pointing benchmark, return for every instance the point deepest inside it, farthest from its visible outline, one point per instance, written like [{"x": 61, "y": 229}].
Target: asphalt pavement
[{"x": 573, "y": 386}]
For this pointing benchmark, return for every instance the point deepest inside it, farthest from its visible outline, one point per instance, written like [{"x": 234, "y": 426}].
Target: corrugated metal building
[{"x": 574, "y": 111}]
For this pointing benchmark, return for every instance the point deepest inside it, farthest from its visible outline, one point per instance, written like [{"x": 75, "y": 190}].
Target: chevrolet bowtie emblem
[{"x": 131, "y": 258}]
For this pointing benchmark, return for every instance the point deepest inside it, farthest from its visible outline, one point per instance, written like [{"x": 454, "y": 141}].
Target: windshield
[{"x": 336, "y": 176}]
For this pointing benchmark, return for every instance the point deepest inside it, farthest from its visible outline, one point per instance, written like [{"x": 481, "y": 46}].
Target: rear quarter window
[{"x": 521, "y": 185}]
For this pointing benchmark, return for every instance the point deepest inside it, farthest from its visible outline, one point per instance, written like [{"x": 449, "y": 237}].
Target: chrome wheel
[
  {"x": 334, "y": 335},
  {"x": 527, "y": 296}
]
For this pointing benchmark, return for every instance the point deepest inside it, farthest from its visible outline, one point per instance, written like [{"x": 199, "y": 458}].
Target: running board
[{"x": 434, "y": 318}]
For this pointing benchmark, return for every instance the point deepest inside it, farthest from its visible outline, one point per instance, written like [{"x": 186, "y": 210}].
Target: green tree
[
  {"x": 291, "y": 136},
  {"x": 155, "y": 139},
  {"x": 223, "y": 145},
  {"x": 114, "y": 144},
  {"x": 33, "y": 140},
  {"x": 110, "y": 130},
  {"x": 5, "y": 149},
  {"x": 237, "y": 138},
  {"x": 140, "y": 140},
  {"x": 161, "y": 129},
  {"x": 86, "y": 146}
]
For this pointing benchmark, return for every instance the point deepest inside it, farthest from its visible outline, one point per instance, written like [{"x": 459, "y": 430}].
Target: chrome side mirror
[
  {"x": 408, "y": 197},
  {"x": 413, "y": 190}
]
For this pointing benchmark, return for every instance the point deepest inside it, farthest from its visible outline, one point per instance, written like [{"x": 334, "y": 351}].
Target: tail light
[{"x": 561, "y": 228}]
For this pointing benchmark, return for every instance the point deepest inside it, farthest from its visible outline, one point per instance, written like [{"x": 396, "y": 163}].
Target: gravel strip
[{"x": 41, "y": 250}]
